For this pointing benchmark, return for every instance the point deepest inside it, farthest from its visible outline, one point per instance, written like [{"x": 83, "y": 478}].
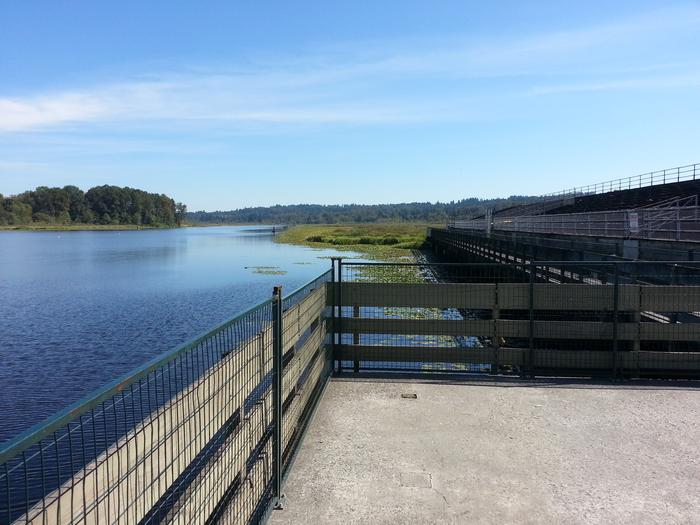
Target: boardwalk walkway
[{"x": 508, "y": 452}]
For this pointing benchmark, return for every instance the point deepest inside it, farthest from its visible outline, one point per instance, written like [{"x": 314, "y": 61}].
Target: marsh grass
[{"x": 385, "y": 242}]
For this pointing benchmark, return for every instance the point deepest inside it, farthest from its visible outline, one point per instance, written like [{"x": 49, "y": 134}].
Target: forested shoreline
[
  {"x": 106, "y": 206},
  {"x": 101, "y": 205},
  {"x": 356, "y": 213}
]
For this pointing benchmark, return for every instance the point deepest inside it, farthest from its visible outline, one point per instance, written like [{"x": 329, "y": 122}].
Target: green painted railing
[{"x": 187, "y": 435}]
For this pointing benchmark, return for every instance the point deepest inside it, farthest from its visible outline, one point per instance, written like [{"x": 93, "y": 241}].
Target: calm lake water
[{"x": 78, "y": 309}]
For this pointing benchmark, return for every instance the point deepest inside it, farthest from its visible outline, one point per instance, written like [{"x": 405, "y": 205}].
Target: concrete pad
[{"x": 498, "y": 452}]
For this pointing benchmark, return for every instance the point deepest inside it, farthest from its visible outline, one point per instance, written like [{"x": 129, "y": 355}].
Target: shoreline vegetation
[
  {"x": 323, "y": 214},
  {"x": 79, "y": 227},
  {"x": 101, "y": 207},
  {"x": 385, "y": 241}
]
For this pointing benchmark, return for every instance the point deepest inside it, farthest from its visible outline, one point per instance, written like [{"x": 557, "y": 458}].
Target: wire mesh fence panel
[
  {"x": 676, "y": 224},
  {"x": 543, "y": 318},
  {"x": 185, "y": 438},
  {"x": 420, "y": 316},
  {"x": 132, "y": 452},
  {"x": 307, "y": 360}
]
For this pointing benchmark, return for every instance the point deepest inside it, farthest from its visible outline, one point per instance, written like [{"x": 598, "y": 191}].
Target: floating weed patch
[
  {"x": 266, "y": 270},
  {"x": 389, "y": 274},
  {"x": 405, "y": 312}
]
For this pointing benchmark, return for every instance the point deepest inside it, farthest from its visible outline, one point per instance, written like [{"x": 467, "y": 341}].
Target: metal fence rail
[
  {"x": 667, "y": 223},
  {"x": 530, "y": 319},
  {"x": 186, "y": 438},
  {"x": 653, "y": 178}
]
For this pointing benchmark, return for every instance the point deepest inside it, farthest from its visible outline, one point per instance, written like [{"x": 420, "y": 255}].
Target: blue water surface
[{"x": 78, "y": 309}]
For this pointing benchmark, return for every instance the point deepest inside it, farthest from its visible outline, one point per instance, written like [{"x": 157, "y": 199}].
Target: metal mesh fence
[
  {"x": 680, "y": 223},
  {"x": 186, "y": 437},
  {"x": 543, "y": 318},
  {"x": 306, "y": 360},
  {"x": 207, "y": 432}
]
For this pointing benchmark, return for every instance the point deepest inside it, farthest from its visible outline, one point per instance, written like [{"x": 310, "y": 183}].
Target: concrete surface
[{"x": 485, "y": 452}]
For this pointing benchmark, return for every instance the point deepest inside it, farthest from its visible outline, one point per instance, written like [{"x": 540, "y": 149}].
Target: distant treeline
[
  {"x": 357, "y": 213},
  {"x": 99, "y": 205}
]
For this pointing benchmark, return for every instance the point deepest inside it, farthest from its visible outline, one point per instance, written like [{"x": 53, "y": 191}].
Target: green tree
[
  {"x": 48, "y": 204},
  {"x": 180, "y": 212},
  {"x": 14, "y": 212},
  {"x": 77, "y": 207},
  {"x": 101, "y": 205}
]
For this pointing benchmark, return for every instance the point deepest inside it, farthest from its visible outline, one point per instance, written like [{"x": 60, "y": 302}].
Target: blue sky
[{"x": 230, "y": 104}]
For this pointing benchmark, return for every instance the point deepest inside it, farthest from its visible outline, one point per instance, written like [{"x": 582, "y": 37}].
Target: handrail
[
  {"x": 643, "y": 180},
  {"x": 520, "y": 265}
]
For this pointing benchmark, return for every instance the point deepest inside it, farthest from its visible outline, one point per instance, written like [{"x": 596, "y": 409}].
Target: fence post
[
  {"x": 334, "y": 303},
  {"x": 531, "y": 331},
  {"x": 616, "y": 307},
  {"x": 495, "y": 315},
  {"x": 673, "y": 316},
  {"x": 339, "y": 300},
  {"x": 637, "y": 318},
  {"x": 277, "y": 418}
]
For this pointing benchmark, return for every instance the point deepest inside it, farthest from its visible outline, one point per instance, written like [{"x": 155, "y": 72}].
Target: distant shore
[
  {"x": 115, "y": 227},
  {"x": 82, "y": 227}
]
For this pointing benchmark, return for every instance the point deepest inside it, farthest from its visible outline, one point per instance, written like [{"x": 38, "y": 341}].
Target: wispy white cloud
[
  {"x": 48, "y": 110},
  {"x": 370, "y": 83}
]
